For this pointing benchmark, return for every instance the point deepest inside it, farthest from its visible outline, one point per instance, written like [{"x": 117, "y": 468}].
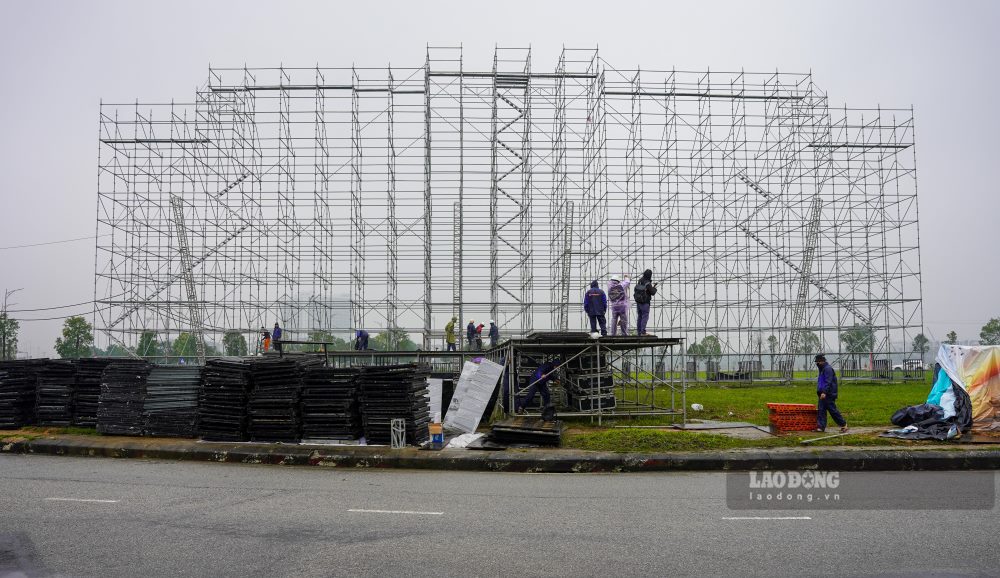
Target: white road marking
[
  {"x": 769, "y": 518},
  {"x": 82, "y": 500},
  {"x": 399, "y": 512}
]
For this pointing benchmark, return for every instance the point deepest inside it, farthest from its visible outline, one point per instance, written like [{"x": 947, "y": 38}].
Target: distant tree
[
  {"x": 809, "y": 343},
  {"x": 711, "y": 348},
  {"x": 149, "y": 345},
  {"x": 695, "y": 350},
  {"x": 858, "y": 339},
  {"x": 921, "y": 345},
  {"x": 113, "y": 350},
  {"x": 393, "y": 339},
  {"x": 335, "y": 343},
  {"x": 990, "y": 334},
  {"x": 772, "y": 347},
  {"x": 77, "y": 338},
  {"x": 952, "y": 338},
  {"x": 8, "y": 337},
  {"x": 234, "y": 344},
  {"x": 185, "y": 347}
]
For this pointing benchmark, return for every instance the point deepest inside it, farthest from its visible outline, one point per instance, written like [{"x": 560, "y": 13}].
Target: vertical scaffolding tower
[{"x": 391, "y": 199}]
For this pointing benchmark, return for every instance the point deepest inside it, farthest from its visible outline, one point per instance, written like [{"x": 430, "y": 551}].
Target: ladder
[{"x": 187, "y": 274}]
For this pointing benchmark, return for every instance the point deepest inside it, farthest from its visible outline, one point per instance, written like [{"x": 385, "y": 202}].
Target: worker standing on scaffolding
[
  {"x": 361, "y": 340},
  {"x": 494, "y": 334},
  {"x": 479, "y": 336},
  {"x": 644, "y": 291},
  {"x": 265, "y": 339},
  {"x": 276, "y": 335},
  {"x": 618, "y": 296},
  {"x": 470, "y": 334},
  {"x": 595, "y": 303},
  {"x": 449, "y": 333}
]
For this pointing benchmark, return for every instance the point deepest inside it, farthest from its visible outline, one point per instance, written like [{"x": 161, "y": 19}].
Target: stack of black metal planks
[
  {"x": 528, "y": 431},
  {"x": 171, "y": 405},
  {"x": 123, "y": 390},
  {"x": 395, "y": 391},
  {"x": 590, "y": 385},
  {"x": 222, "y": 407},
  {"x": 88, "y": 390},
  {"x": 17, "y": 397},
  {"x": 18, "y": 384},
  {"x": 329, "y": 403},
  {"x": 274, "y": 400},
  {"x": 54, "y": 396}
]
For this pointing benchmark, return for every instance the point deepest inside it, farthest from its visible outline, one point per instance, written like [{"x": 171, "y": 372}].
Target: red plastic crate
[{"x": 788, "y": 417}]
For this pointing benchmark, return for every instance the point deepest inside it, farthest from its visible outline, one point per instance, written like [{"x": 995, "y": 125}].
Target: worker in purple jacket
[{"x": 826, "y": 390}]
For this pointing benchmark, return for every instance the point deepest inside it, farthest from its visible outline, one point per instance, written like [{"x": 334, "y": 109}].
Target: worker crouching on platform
[{"x": 539, "y": 383}]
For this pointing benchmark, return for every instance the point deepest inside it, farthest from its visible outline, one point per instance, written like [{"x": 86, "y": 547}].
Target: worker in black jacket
[{"x": 643, "y": 294}]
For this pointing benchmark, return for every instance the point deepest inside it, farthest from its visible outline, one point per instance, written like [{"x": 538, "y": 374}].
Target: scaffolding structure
[{"x": 333, "y": 199}]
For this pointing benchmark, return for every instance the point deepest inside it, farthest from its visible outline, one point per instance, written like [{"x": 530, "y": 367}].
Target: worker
[
  {"x": 644, "y": 291},
  {"x": 479, "y": 336},
  {"x": 826, "y": 391},
  {"x": 276, "y": 335},
  {"x": 265, "y": 338},
  {"x": 361, "y": 340},
  {"x": 470, "y": 333},
  {"x": 595, "y": 303},
  {"x": 539, "y": 383},
  {"x": 449, "y": 334},
  {"x": 618, "y": 296},
  {"x": 494, "y": 334}
]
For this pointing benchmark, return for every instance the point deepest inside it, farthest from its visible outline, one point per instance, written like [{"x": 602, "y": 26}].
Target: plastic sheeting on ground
[{"x": 977, "y": 370}]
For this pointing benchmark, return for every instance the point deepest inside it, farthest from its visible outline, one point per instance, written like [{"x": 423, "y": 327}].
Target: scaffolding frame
[{"x": 332, "y": 199}]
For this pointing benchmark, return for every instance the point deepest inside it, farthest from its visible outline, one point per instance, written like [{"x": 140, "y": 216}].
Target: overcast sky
[{"x": 59, "y": 59}]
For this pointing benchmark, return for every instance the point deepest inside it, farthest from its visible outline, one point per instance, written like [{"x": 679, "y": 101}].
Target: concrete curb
[{"x": 528, "y": 460}]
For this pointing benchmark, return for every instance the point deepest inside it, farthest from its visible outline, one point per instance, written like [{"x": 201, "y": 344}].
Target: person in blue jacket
[
  {"x": 595, "y": 303},
  {"x": 494, "y": 334},
  {"x": 360, "y": 340},
  {"x": 826, "y": 390},
  {"x": 276, "y": 337},
  {"x": 470, "y": 334},
  {"x": 539, "y": 383}
]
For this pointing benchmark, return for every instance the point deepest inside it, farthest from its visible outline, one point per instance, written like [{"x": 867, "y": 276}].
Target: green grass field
[{"x": 862, "y": 403}]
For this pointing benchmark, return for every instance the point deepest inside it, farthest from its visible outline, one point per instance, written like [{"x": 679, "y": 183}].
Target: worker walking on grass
[
  {"x": 494, "y": 334},
  {"x": 643, "y": 295},
  {"x": 595, "y": 303},
  {"x": 449, "y": 333},
  {"x": 618, "y": 296},
  {"x": 826, "y": 390}
]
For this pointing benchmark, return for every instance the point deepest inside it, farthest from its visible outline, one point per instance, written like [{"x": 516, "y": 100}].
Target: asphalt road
[{"x": 102, "y": 517}]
